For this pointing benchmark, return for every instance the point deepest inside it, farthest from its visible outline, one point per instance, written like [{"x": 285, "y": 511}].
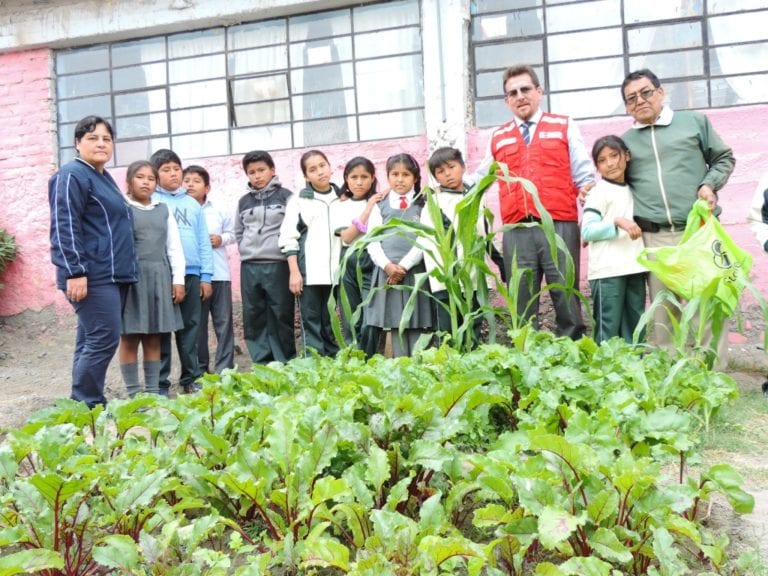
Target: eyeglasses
[
  {"x": 644, "y": 94},
  {"x": 523, "y": 90}
]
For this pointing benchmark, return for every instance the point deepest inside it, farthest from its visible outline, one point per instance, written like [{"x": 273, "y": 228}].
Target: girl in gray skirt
[
  {"x": 151, "y": 306},
  {"x": 398, "y": 259}
]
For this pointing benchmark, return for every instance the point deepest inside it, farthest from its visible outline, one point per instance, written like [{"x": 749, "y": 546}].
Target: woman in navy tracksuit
[{"x": 92, "y": 249}]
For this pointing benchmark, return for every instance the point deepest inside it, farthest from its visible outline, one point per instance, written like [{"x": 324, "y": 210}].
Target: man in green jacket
[{"x": 677, "y": 157}]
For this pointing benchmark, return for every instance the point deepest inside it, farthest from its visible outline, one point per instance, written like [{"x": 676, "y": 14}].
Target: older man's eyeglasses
[
  {"x": 646, "y": 94},
  {"x": 523, "y": 91}
]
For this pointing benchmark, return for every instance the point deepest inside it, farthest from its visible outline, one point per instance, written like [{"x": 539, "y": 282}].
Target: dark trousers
[
  {"x": 99, "y": 317},
  {"x": 186, "y": 338},
  {"x": 529, "y": 245},
  {"x": 367, "y": 337},
  {"x": 617, "y": 304},
  {"x": 219, "y": 308},
  {"x": 442, "y": 315},
  {"x": 268, "y": 309},
  {"x": 316, "y": 320}
]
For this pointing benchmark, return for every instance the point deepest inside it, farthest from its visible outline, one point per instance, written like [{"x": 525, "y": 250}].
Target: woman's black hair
[
  {"x": 88, "y": 124},
  {"x": 611, "y": 141},
  {"x": 368, "y": 166},
  {"x": 410, "y": 164}
]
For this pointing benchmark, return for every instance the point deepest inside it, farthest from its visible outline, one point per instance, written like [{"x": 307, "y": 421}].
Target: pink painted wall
[
  {"x": 28, "y": 159},
  {"x": 745, "y": 129},
  {"x": 26, "y": 162}
]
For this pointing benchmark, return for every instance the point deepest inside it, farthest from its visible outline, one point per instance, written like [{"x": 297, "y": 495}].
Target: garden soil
[{"x": 36, "y": 354}]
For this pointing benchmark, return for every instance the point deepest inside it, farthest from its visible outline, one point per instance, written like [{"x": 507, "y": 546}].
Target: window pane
[
  {"x": 645, "y": 11},
  {"x": 489, "y": 84},
  {"x": 145, "y": 125},
  {"x": 322, "y": 78},
  {"x": 682, "y": 95},
  {"x": 321, "y": 25},
  {"x": 582, "y": 74},
  {"x": 331, "y": 131},
  {"x": 585, "y": 44},
  {"x": 140, "y": 102},
  {"x": 403, "y": 89},
  {"x": 719, "y": 6},
  {"x": 323, "y": 105},
  {"x": 66, "y": 155},
  {"x": 139, "y": 76},
  {"x": 257, "y": 34},
  {"x": 513, "y": 25},
  {"x": 138, "y": 51},
  {"x": 671, "y": 65},
  {"x": 198, "y": 93},
  {"x": 584, "y": 15},
  {"x": 67, "y": 134},
  {"x": 589, "y": 103},
  {"x": 387, "y": 15},
  {"x": 196, "y": 43},
  {"x": 491, "y": 113},
  {"x": 127, "y": 152},
  {"x": 197, "y": 68},
  {"x": 258, "y": 60},
  {"x": 71, "y": 61},
  {"x": 260, "y": 88},
  {"x": 321, "y": 52},
  {"x": 738, "y": 28},
  {"x": 668, "y": 37},
  {"x": 261, "y": 138},
  {"x": 751, "y": 89},
  {"x": 739, "y": 59},
  {"x": 392, "y": 125},
  {"x": 201, "y": 145},
  {"x": 75, "y": 110},
  {"x": 484, "y": 6},
  {"x": 498, "y": 55},
  {"x": 199, "y": 119},
  {"x": 387, "y": 43},
  {"x": 262, "y": 113},
  {"x": 82, "y": 84}
]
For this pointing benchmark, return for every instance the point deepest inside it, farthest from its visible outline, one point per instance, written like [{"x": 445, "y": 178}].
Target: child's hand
[
  {"x": 395, "y": 273},
  {"x": 177, "y": 293},
  {"x": 206, "y": 290},
  {"x": 215, "y": 240},
  {"x": 296, "y": 283},
  {"x": 376, "y": 198},
  {"x": 629, "y": 226}
]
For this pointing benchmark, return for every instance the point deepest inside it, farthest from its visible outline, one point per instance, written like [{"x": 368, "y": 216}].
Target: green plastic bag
[{"x": 706, "y": 255}]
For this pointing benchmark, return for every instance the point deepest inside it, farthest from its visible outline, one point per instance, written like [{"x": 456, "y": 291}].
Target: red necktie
[{"x": 403, "y": 203}]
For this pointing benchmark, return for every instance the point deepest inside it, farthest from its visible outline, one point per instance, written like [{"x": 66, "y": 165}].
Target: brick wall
[{"x": 26, "y": 163}]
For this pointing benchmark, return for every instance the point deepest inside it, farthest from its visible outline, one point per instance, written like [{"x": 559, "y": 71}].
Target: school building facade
[{"x": 213, "y": 80}]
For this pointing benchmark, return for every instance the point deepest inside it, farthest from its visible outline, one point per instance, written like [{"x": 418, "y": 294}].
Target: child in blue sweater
[{"x": 198, "y": 255}]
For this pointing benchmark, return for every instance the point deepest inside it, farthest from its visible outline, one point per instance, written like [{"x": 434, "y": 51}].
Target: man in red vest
[{"x": 546, "y": 149}]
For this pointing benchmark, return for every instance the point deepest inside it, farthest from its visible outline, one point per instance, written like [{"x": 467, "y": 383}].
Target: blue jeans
[{"x": 98, "y": 335}]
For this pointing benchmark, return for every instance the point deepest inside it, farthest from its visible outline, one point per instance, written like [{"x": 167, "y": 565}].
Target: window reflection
[
  {"x": 330, "y": 131},
  {"x": 668, "y": 37},
  {"x": 272, "y": 137},
  {"x": 391, "y": 125},
  {"x": 196, "y": 43},
  {"x": 645, "y": 11},
  {"x": 584, "y": 15},
  {"x": 199, "y": 119},
  {"x": 200, "y": 145},
  {"x": 403, "y": 88},
  {"x": 581, "y": 45},
  {"x": 671, "y": 64},
  {"x": 386, "y": 15},
  {"x": 83, "y": 84}
]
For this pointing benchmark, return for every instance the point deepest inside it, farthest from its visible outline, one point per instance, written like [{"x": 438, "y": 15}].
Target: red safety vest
[{"x": 545, "y": 162}]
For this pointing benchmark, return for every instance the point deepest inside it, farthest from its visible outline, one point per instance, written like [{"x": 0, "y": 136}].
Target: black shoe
[
  {"x": 765, "y": 388},
  {"x": 191, "y": 388},
  {"x": 163, "y": 391}
]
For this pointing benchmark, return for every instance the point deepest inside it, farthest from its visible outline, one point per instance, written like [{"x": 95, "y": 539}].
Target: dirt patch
[{"x": 36, "y": 356}]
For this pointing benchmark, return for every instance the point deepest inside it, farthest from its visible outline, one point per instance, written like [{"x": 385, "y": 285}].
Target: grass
[{"x": 742, "y": 427}]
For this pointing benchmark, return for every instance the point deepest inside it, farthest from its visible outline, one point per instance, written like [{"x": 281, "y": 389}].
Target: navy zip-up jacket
[{"x": 91, "y": 227}]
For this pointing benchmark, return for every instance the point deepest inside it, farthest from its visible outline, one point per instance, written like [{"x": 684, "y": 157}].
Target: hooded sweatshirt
[{"x": 257, "y": 225}]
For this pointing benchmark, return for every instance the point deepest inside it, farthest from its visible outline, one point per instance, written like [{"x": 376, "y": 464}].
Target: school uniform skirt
[{"x": 387, "y": 305}]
